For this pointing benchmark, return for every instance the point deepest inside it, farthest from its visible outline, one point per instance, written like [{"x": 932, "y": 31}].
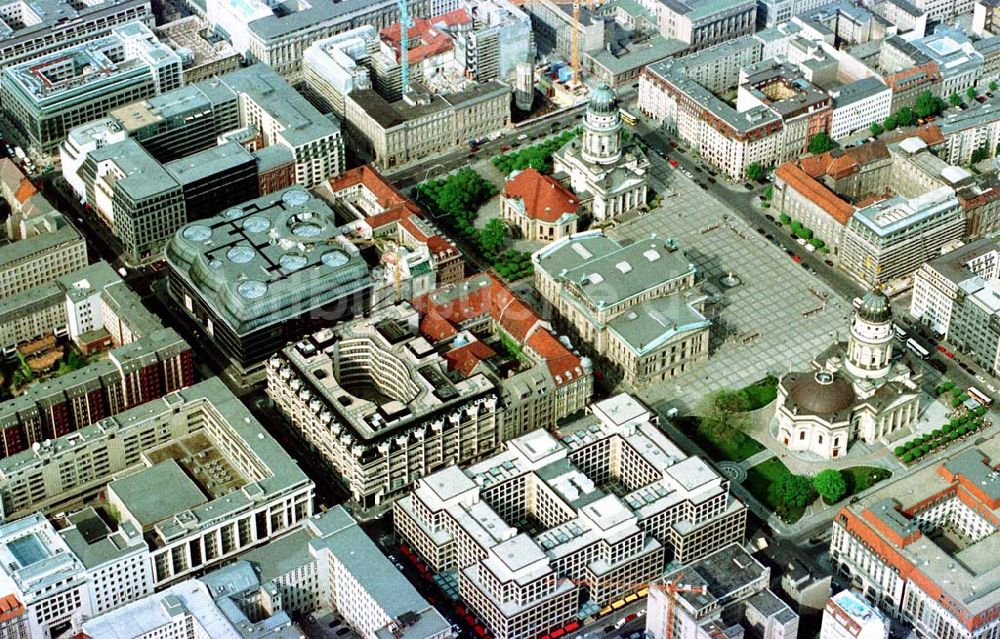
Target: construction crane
[
  {"x": 575, "y": 43},
  {"x": 404, "y": 43},
  {"x": 669, "y": 589}
]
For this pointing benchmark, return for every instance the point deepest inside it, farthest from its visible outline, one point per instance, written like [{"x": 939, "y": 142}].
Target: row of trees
[
  {"x": 804, "y": 232},
  {"x": 926, "y": 104},
  {"x": 538, "y": 156},
  {"x": 957, "y": 428}
]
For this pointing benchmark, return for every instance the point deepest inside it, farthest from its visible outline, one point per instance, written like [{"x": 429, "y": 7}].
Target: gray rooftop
[
  {"x": 212, "y": 161},
  {"x": 857, "y": 91},
  {"x": 156, "y": 493},
  {"x": 15, "y": 252},
  {"x": 392, "y": 114},
  {"x": 651, "y": 324},
  {"x": 268, "y": 260},
  {"x": 144, "y": 176},
  {"x": 899, "y": 215}
]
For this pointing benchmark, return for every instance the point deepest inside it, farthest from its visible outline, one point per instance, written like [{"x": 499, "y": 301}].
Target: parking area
[
  {"x": 326, "y": 624},
  {"x": 775, "y": 313}
]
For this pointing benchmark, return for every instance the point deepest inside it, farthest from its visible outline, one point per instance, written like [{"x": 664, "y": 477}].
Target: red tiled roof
[
  {"x": 803, "y": 183},
  {"x": 425, "y": 36},
  {"x": 385, "y": 194},
  {"x": 563, "y": 364},
  {"x": 913, "y": 76},
  {"x": 545, "y": 199},
  {"x": 25, "y": 190},
  {"x": 466, "y": 358},
  {"x": 10, "y": 607},
  {"x": 436, "y": 328}
]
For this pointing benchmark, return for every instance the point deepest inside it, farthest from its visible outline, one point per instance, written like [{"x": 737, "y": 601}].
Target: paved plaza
[{"x": 780, "y": 316}]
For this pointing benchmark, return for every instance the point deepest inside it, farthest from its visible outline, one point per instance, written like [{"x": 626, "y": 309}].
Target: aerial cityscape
[{"x": 499, "y": 319}]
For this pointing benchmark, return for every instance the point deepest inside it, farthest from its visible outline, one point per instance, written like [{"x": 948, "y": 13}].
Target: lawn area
[
  {"x": 735, "y": 446},
  {"x": 762, "y": 482},
  {"x": 861, "y": 478},
  {"x": 761, "y": 393}
]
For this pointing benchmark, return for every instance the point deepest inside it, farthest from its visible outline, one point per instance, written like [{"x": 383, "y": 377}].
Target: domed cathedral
[
  {"x": 862, "y": 389},
  {"x": 608, "y": 174}
]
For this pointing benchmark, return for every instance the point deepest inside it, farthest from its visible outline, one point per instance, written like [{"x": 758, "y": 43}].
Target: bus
[
  {"x": 857, "y": 302},
  {"x": 916, "y": 348},
  {"x": 979, "y": 396},
  {"x": 628, "y": 118}
]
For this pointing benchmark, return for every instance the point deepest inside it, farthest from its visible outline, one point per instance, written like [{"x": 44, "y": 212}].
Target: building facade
[
  {"x": 606, "y": 172},
  {"x": 538, "y": 206},
  {"x": 847, "y": 616},
  {"x": 936, "y": 283}
]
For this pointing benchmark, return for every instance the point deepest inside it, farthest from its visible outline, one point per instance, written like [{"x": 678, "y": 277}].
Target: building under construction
[{"x": 548, "y": 522}]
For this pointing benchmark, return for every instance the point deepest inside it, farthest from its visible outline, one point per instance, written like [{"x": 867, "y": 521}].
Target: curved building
[
  {"x": 857, "y": 390},
  {"x": 262, "y": 274}
]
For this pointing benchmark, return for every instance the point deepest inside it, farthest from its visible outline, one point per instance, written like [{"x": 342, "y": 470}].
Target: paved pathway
[{"x": 759, "y": 458}]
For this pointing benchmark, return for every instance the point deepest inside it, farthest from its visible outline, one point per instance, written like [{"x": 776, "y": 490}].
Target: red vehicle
[
  {"x": 796, "y": 259},
  {"x": 558, "y": 633},
  {"x": 949, "y": 355},
  {"x": 479, "y": 630},
  {"x": 630, "y": 617},
  {"x": 672, "y": 163},
  {"x": 942, "y": 348},
  {"x": 572, "y": 626}
]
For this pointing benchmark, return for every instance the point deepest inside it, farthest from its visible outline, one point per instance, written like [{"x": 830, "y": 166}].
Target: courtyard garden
[{"x": 788, "y": 495}]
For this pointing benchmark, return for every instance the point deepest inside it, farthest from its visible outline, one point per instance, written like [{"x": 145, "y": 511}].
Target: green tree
[
  {"x": 820, "y": 143},
  {"x": 785, "y": 219},
  {"x": 890, "y": 123},
  {"x": 877, "y": 129},
  {"x": 830, "y": 485},
  {"x": 993, "y": 86},
  {"x": 755, "y": 171},
  {"x": 980, "y": 154},
  {"x": 972, "y": 93},
  {"x": 954, "y": 99},
  {"x": 794, "y": 491},
  {"x": 905, "y": 117},
  {"x": 926, "y": 104},
  {"x": 494, "y": 236},
  {"x": 725, "y": 412}
]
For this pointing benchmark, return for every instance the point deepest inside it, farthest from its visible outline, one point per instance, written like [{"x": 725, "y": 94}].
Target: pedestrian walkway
[{"x": 759, "y": 458}]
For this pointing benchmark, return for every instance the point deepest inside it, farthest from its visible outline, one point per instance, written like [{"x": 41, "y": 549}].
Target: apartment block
[
  {"x": 635, "y": 305},
  {"x": 701, "y": 23},
  {"x": 326, "y": 563},
  {"x": 547, "y": 523},
  {"x": 890, "y": 550},
  {"x": 45, "y": 255},
  {"x": 46, "y": 97}
]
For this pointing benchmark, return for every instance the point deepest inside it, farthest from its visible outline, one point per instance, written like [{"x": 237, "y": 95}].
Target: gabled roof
[
  {"x": 815, "y": 191},
  {"x": 465, "y": 358},
  {"x": 545, "y": 199}
]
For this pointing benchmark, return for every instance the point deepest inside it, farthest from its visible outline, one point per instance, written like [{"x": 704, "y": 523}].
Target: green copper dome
[
  {"x": 603, "y": 101},
  {"x": 875, "y": 307}
]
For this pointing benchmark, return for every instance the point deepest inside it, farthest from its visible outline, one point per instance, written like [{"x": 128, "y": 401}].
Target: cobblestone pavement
[{"x": 778, "y": 318}]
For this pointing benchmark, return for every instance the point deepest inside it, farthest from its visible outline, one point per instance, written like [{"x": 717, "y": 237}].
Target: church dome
[
  {"x": 824, "y": 393},
  {"x": 875, "y": 307},
  {"x": 603, "y": 101}
]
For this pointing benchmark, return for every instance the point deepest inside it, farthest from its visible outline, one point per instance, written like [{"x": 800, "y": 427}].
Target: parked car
[
  {"x": 828, "y": 263},
  {"x": 796, "y": 259}
]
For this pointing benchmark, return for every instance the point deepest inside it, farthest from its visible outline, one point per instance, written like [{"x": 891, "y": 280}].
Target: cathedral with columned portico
[
  {"x": 601, "y": 164},
  {"x": 858, "y": 390}
]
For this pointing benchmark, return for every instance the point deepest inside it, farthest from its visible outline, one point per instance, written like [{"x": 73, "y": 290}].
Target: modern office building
[
  {"x": 30, "y": 30},
  {"x": 606, "y": 172},
  {"x": 936, "y": 283},
  {"x": 857, "y": 104},
  {"x": 549, "y": 523},
  {"x": 374, "y": 400},
  {"x": 635, "y": 305},
  {"x": 734, "y": 600},
  {"x": 771, "y": 13},
  {"x": 848, "y": 616},
  {"x": 192, "y": 480},
  {"x": 194, "y": 473},
  {"x": 46, "y": 97},
  {"x": 890, "y": 239},
  {"x": 977, "y": 127},
  {"x": 892, "y": 549},
  {"x": 326, "y": 563},
  {"x": 421, "y": 123},
  {"x": 262, "y": 274}
]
